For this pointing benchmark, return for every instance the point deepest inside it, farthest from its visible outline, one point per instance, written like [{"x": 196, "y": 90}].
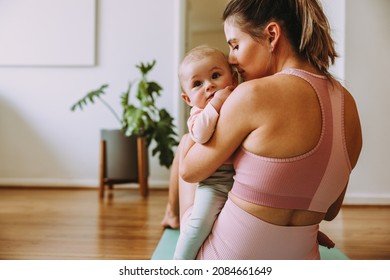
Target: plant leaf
[
  {"x": 90, "y": 96},
  {"x": 165, "y": 138},
  {"x": 145, "y": 68}
]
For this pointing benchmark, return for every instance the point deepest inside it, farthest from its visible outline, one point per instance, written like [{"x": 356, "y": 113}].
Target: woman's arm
[
  {"x": 334, "y": 209},
  {"x": 200, "y": 161},
  {"x": 250, "y": 116},
  {"x": 353, "y": 135}
]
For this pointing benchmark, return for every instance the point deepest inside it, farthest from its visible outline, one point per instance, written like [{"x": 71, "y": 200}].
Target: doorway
[{"x": 204, "y": 26}]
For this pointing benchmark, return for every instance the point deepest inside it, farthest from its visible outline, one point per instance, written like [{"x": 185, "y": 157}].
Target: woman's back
[
  {"x": 288, "y": 188},
  {"x": 285, "y": 116},
  {"x": 295, "y": 180}
]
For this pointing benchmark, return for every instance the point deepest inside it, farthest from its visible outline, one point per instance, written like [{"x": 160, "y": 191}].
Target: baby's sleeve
[{"x": 201, "y": 123}]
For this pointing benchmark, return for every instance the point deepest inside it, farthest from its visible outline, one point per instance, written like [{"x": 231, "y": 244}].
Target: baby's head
[{"x": 203, "y": 71}]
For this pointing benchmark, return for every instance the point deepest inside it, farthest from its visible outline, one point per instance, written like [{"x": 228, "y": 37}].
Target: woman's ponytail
[{"x": 316, "y": 43}]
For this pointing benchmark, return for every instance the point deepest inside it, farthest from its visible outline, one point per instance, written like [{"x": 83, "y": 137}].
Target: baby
[{"x": 203, "y": 73}]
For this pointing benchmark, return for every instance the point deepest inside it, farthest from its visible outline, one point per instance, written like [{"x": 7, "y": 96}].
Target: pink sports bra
[{"x": 312, "y": 181}]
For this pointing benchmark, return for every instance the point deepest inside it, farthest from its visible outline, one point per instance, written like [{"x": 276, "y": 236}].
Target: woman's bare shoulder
[
  {"x": 270, "y": 93},
  {"x": 260, "y": 83},
  {"x": 257, "y": 89}
]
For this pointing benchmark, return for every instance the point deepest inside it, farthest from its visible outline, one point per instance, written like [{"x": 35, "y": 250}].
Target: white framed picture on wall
[{"x": 47, "y": 32}]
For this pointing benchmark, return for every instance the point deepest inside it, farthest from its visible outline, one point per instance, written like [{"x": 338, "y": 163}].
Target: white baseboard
[
  {"x": 57, "y": 183},
  {"x": 48, "y": 182},
  {"x": 350, "y": 198},
  {"x": 367, "y": 199}
]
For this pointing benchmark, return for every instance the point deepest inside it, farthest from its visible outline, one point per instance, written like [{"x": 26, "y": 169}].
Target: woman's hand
[{"x": 324, "y": 240}]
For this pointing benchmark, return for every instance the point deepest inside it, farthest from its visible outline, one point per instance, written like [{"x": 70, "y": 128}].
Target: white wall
[
  {"x": 361, "y": 30},
  {"x": 43, "y": 143},
  {"x": 367, "y": 77},
  {"x": 335, "y": 12}
]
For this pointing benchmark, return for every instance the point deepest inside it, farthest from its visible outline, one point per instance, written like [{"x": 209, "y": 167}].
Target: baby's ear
[{"x": 186, "y": 98}]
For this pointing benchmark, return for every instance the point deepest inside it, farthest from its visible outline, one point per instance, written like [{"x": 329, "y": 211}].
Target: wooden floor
[{"x": 47, "y": 224}]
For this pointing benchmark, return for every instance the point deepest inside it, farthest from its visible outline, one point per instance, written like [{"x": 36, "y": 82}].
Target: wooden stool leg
[
  {"x": 142, "y": 166},
  {"x": 103, "y": 169}
]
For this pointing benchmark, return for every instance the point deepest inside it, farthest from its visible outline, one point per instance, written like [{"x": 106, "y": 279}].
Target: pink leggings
[{"x": 237, "y": 235}]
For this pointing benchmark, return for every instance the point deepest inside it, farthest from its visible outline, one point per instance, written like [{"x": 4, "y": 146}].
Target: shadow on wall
[{"x": 24, "y": 156}]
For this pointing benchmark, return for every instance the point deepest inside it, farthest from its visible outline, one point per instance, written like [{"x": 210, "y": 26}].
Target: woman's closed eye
[{"x": 234, "y": 47}]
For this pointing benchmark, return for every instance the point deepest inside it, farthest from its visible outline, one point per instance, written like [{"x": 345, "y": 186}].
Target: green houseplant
[{"x": 144, "y": 119}]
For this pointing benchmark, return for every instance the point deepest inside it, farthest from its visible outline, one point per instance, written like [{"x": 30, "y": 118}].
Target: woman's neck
[
  {"x": 297, "y": 64},
  {"x": 285, "y": 58}
]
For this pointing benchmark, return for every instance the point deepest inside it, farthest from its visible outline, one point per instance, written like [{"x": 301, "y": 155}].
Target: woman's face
[{"x": 251, "y": 57}]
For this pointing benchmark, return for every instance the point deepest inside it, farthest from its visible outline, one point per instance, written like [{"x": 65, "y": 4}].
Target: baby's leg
[
  {"x": 186, "y": 197},
  {"x": 208, "y": 203}
]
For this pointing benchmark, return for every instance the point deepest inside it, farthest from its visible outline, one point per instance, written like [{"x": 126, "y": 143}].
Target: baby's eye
[
  {"x": 235, "y": 47},
  {"x": 197, "y": 84},
  {"x": 215, "y": 75}
]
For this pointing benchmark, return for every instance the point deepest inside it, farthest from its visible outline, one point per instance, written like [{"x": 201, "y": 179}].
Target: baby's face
[{"x": 201, "y": 78}]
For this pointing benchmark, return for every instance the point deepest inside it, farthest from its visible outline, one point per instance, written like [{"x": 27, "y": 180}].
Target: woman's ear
[
  {"x": 272, "y": 31},
  {"x": 186, "y": 98}
]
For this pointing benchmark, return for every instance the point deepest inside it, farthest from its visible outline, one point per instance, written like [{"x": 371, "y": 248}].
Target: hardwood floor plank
[
  {"x": 75, "y": 224},
  {"x": 362, "y": 232},
  {"x": 53, "y": 223}
]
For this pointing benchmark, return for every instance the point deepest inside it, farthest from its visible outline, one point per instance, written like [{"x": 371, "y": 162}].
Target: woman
[{"x": 294, "y": 133}]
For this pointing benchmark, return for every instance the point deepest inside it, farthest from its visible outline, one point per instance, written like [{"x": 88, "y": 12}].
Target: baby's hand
[
  {"x": 220, "y": 96},
  {"x": 223, "y": 94}
]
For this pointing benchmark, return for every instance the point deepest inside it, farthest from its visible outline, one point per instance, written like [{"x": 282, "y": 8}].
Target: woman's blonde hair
[{"x": 303, "y": 22}]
